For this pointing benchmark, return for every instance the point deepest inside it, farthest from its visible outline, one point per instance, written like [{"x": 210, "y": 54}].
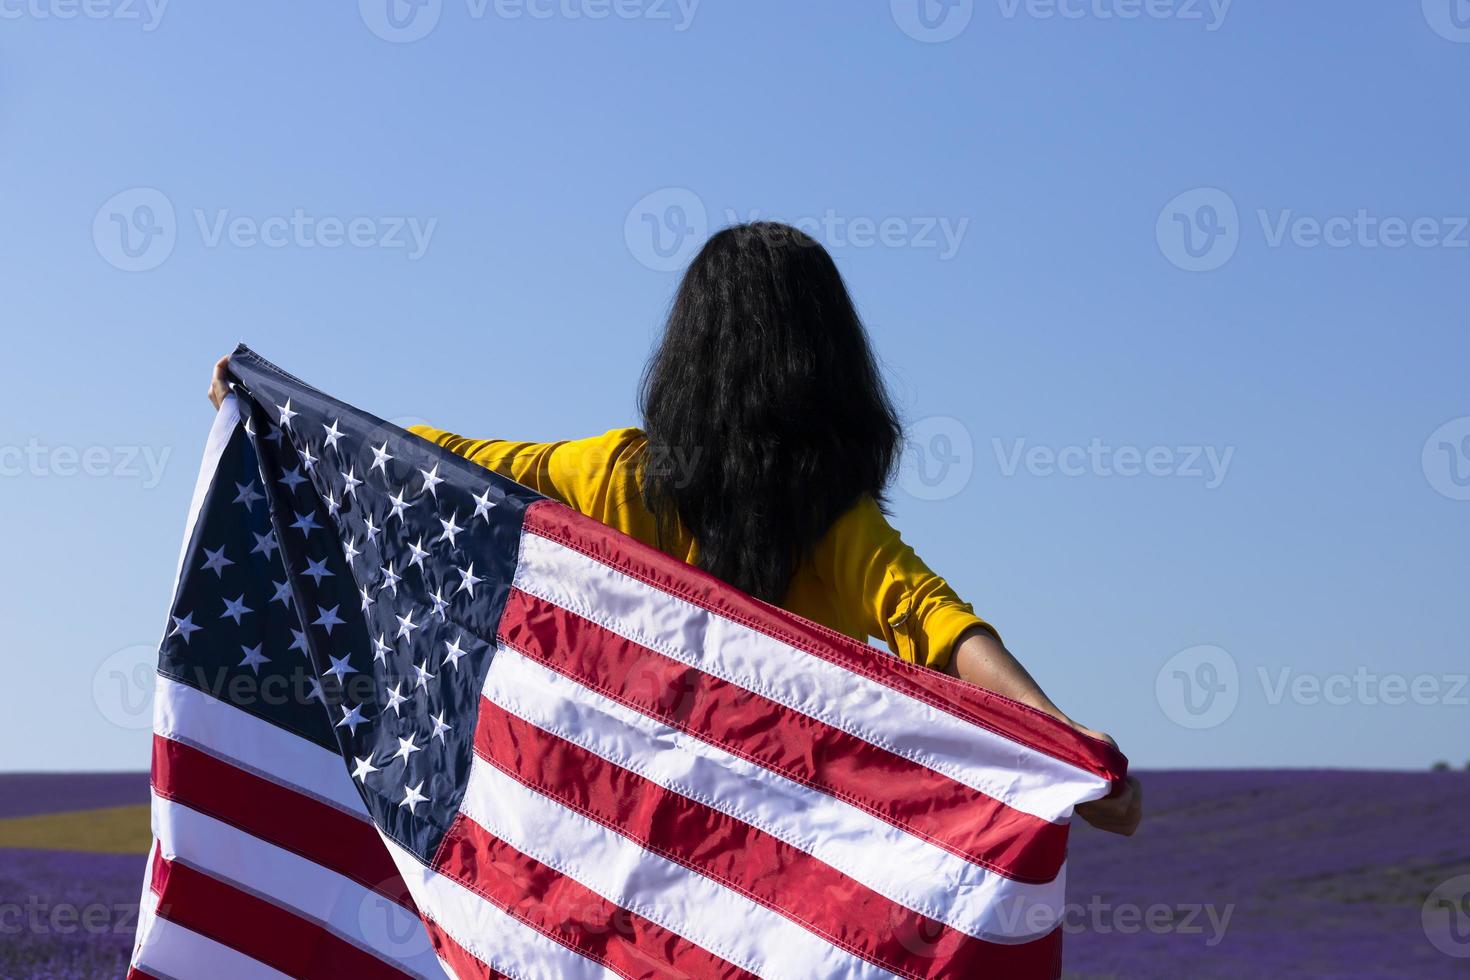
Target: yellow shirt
[{"x": 861, "y": 580}]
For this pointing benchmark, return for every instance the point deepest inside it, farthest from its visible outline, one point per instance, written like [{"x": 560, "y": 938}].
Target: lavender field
[{"x": 1235, "y": 874}]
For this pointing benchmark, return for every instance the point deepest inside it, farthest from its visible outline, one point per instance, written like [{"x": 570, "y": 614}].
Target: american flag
[{"x": 413, "y": 719}]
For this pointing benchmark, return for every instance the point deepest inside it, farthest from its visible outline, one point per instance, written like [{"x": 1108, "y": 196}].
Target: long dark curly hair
[{"x": 765, "y": 390}]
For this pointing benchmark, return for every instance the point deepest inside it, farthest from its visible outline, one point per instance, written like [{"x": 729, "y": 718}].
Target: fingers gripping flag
[{"x": 415, "y": 720}]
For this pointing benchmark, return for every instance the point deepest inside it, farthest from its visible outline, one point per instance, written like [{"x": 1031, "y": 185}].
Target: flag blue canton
[{"x": 376, "y": 634}]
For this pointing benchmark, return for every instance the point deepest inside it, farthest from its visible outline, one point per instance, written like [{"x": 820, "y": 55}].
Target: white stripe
[
  {"x": 320, "y": 895},
  {"x": 1017, "y": 775},
  {"x": 190, "y": 716},
  {"x": 701, "y": 910},
  {"x": 482, "y": 929},
  {"x": 169, "y": 950},
  {"x": 905, "y": 869}
]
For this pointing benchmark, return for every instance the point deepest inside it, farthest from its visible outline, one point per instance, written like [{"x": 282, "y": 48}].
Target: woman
[{"x": 768, "y": 440}]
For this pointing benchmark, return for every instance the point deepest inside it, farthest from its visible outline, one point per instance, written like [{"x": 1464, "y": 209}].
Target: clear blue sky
[{"x": 1322, "y": 543}]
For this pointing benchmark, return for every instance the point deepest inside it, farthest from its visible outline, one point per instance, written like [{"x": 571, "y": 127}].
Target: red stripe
[
  {"x": 316, "y": 831},
  {"x": 259, "y": 929},
  {"x": 743, "y": 858},
  {"x": 565, "y": 910},
  {"x": 912, "y": 797},
  {"x": 974, "y": 705}
]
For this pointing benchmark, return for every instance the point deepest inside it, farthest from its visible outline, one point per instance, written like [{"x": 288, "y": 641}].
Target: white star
[
  {"x": 440, "y": 727},
  {"x": 299, "y": 643},
  {"x": 352, "y": 718},
  {"x": 341, "y": 666},
  {"x": 332, "y": 505},
  {"x": 286, "y": 414},
  {"x": 265, "y": 544},
  {"x": 184, "y": 626},
  {"x": 451, "y": 529},
  {"x": 390, "y": 579},
  {"x": 422, "y": 676},
  {"x": 274, "y": 435},
  {"x": 468, "y": 580},
  {"x": 306, "y": 523},
  {"x": 307, "y": 459},
  {"x": 395, "y": 699},
  {"x": 406, "y": 748},
  {"x": 253, "y": 657},
  {"x": 455, "y": 652},
  {"x": 364, "y": 768},
  {"x": 482, "y": 505},
  {"x": 380, "y": 458},
  {"x": 432, "y": 479},
  {"x": 327, "y": 618},
  {"x": 317, "y": 570},
  {"x": 372, "y": 529},
  {"x": 439, "y": 603},
  {"x": 381, "y": 649},
  {"x": 216, "y": 561},
  {"x": 412, "y": 797},
  {"x": 406, "y": 626},
  {"x": 365, "y": 598},
  {"x": 419, "y": 553},
  {"x": 292, "y": 478},
  {"x": 350, "y": 483},
  {"x": 350, "y": 550},
  {"x": 235, "y": 609},
  {"x": 283, "y": 593},
  {"x": 399, "y": 505},
  {"x": 247, "y": 495},
  {"x": 316, "y": 690},
  {"x": 333, "y": 434}
]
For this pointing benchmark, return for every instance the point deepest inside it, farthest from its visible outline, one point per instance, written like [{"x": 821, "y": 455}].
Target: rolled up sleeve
[{"x": 879, "y": 581}]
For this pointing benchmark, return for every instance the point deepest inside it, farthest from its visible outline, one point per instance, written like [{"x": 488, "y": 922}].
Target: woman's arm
[{"x": 981, "y": 659}]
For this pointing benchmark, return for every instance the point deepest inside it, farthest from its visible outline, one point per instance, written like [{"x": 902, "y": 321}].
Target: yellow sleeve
[
  {"x": 579, "y": 473},
  {"x": 878, "y": 581}
]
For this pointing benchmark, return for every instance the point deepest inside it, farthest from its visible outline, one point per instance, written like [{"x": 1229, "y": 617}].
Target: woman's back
[{"x": 860, "y": 579}]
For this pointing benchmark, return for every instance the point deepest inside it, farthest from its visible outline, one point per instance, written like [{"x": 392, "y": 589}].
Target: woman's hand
[
  {"x": 219, "y": 384},
  {"x": 1116, "y": 814}
]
